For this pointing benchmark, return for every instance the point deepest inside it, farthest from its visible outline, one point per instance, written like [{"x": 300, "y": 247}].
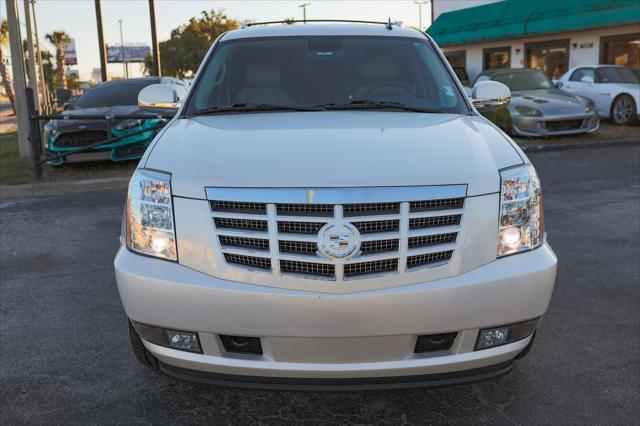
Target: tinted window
[
  {"x": 583, "y": 72},
  {"x": 524, "y": 80},
  {"x": 615, "y": 75},
  {"x": 308, "y": 71},
  {"x": 112, "y": 94}
]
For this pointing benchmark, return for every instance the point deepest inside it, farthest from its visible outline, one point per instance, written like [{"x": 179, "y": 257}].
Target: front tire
[
  {"x": 623, "y": 110},
  {"x": 142, "y": 354}
]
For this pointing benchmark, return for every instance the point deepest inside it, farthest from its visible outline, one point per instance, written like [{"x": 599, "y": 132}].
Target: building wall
[{"x": 584, "y": 48}]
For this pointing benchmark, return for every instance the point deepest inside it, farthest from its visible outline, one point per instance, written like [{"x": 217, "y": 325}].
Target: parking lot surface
[{"x": 65, "y": 355}]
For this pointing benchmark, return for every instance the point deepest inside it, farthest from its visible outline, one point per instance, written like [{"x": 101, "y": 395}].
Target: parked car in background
[
  {"x": 537, "y": 108},
  {"x": 615, "y": 90},
  {"x": 112, "y": 98}
]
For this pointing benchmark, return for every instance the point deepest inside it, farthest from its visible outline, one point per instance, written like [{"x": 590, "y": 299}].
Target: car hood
[
  {"x": 71, "y": 125},
  {"x": 331, "y": 149},
  {"x": 549, "y": 101}
]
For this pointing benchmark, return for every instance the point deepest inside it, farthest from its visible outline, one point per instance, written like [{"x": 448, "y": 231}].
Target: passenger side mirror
[
  {"x": 488, "y": 95},
  {"x": 159, "y": 98},
  {"x": 557, "y": 84},
  {"x": 587, "y": 79}
]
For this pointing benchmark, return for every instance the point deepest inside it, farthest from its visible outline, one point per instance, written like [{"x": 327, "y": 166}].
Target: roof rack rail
[{"x": 388, "y": 24}]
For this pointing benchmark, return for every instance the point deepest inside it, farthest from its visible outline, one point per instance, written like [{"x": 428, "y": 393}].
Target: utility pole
[
  {"x": 19, "y": 83},
  {"x": 33, "y": 77},
  {"x": 154, "y": 39},
  {"x": 102, "y": 46},
  {"x": 124, "y": 63},
  {"x": 46, "y": 99},
  {"x": 420, "y": 3},
  {"x": 304, "y": 11}
]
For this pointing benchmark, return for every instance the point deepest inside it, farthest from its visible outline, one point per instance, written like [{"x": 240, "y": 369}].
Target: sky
[{"x": 77, "y": 18}]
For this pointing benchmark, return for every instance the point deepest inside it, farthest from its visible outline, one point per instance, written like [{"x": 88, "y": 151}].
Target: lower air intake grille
[
  {"x": 256, "y": 262},
  {"x": 308, "y": 268},
  {"x": 426, "y": 259},
  {"x": 363, "y": 268}
]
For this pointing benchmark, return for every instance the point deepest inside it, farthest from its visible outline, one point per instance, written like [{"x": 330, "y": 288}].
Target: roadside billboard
[
  {"x": 70, "y": 56},
  {"x": 132, "y": 53}
]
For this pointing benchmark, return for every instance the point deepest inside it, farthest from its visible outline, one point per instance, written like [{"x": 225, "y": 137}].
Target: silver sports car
[{"x": 537, "y": 108}]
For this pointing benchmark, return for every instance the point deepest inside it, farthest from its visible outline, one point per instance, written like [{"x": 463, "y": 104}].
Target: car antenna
[{"x": 389, "y": 27}]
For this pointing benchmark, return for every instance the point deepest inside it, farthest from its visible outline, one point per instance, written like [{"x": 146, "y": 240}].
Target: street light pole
[
  {"x": 124, "y": 63},
  {"x": 154, "y": 39},
  {"x": 46, "y": 97},
  {"x": 420, "y": 3},
  {"x": 304, "y": 11},
  {"x": 102, "y": 47},
  {"x": 33, "y": 77}
]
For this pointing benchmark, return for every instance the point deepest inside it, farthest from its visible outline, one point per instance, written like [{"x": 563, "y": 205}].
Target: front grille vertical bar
[
  {"x": 272, "y": 228},
  {"x": 338, "y": 214},
  {"x": 403, "y": 243}
]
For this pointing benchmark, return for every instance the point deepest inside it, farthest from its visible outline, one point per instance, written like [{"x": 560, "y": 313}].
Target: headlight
[
  {"x": 128, "y": 124},
  {"x": 149, "y": 227},
  {"x": 525, "y": 110},
  {"x": 520, "y": 210},
  {"x": 51, "y": 128}
]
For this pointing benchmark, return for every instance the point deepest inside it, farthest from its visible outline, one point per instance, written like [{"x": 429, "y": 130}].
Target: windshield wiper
[
  {"x": 369, "y": 104},
  {"x": 250, "y": 107}
]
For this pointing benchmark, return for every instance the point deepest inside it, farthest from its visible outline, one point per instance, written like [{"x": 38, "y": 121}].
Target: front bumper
[
  {"x": 555, "y": 125},
  {"x": 367, "y": 335}
]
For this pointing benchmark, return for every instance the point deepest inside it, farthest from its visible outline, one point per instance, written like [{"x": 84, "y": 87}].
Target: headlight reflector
[
  {"x": 529, "y": 111},
  {"x": 150, "y": 215},
  {"x": 521, "y": 226}
]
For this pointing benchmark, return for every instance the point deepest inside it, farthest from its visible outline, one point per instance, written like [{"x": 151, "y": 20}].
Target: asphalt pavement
[{"x": 65, "y": 355}]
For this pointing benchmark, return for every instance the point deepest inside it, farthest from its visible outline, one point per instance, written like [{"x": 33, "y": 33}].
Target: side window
[{"x": 582, "y": 72}]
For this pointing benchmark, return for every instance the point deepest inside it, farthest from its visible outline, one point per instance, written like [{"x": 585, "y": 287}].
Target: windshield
[
  {"x": 523, "y": 80},
  {"x": 112, "y": 94},
  {"x": 338, "y": 70}
]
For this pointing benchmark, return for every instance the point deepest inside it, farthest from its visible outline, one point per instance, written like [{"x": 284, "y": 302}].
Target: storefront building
[{"x": 552, "y": 36}]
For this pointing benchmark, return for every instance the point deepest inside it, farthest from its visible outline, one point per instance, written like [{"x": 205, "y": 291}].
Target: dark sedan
[
  {"x": 537, "y": 108},
  {"x": 114, "y": 98}
]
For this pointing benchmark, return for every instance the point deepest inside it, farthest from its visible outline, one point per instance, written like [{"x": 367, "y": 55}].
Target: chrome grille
[{"x": 276, "y": 232}]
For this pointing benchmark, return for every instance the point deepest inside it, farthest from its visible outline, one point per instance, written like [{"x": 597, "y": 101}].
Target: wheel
[
  {"x": 623, "y": 110},
  {"x": 142, "y": 354}
]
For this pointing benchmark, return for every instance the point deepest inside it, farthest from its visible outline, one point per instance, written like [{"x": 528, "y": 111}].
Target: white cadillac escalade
[{"x": 328, "y": 210}]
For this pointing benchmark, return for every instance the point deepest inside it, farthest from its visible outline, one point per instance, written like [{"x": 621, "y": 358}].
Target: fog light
[
  {"x": 242, "y": 344},
  {"x": 175, "y": 339},
  {"x": 434, "y": 342},
  {"x": 492, "y": 337}
]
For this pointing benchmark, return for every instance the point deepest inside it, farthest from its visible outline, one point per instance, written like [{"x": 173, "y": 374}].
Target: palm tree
[
  {"x": 59, "y": 39},
  {"x": 6, "y": 81}
]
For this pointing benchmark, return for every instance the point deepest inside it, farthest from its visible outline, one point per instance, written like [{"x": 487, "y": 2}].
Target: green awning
[{"x": 522, "y": 18}]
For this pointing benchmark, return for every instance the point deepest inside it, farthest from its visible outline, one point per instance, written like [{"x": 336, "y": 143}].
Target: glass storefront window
[
  {"x": 621, "y": 50},
  {"x": 499, "y": 57},
  {"x": 550, "y": 57}
]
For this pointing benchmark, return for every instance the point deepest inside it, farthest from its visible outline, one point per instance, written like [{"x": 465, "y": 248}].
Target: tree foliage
[
  {"x": 181, "y": 55},
  {"x": 59, "y": 39}
]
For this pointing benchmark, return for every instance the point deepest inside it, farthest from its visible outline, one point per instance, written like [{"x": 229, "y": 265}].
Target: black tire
[
  {"x": 623, "y": 110},
  {"x": 142, "y": 354}
]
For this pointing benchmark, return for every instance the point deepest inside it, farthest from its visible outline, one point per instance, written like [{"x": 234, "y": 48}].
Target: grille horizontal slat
[
  {"x": 298, "y": 247},
  {"x": 314, "y": 210},
  {"x": 430, "y": 240},
  {"x": 79, "y": 139},
  {"x": 434, "y": 205},
  {"x": 256, "y": 262},
  {"x": 365, "y": 268},
  {"x": 370, "y": 209},
  {"x": 429, "y": 258},
  {"x": 309, "y": 268},
  {"x": 431, "y": 222},
  {"x": 377, "y": 226},
  {"x": 238, "y": 207},
  {"x": 252, "y": 243},
  {"x": 299, "y": 227},
  {"x": 245, "y": 224},
  {"x": 379, "y": 246}
]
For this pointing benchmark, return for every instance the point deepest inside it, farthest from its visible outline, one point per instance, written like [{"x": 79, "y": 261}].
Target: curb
[
  {"x": 576, "y": 145},
  {"x": 76, "y": 186},
  {"x": 62, "y": 188}
]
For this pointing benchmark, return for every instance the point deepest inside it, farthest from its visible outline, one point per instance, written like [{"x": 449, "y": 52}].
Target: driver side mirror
[
  {"x": 159, "y": 98},
  {"x": 587, "y": 79},
  {"x": 488, "y": 95}
]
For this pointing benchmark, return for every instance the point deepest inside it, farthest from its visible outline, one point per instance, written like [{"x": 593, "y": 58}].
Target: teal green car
[{"x": 119, "y": 99}]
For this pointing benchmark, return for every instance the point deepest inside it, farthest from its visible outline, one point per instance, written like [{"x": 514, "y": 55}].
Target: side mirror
[
  {"x": 557, "y": 84},
  {"x": 488, "y": 95},
  {"x": 159, "y": 98},
  {"x": 587, "y": 79}
]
